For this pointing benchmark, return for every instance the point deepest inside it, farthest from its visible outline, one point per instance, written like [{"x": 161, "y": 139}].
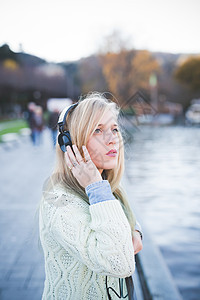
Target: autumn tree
[
  {"x": 128, "y": 71},
  {"x": 116, "y": 69},
  {"x": 188, "y": 73},
  {"x": 143, "y": 65}
]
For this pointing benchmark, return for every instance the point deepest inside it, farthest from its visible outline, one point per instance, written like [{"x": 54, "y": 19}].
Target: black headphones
[{"x": 64, "y": 138}]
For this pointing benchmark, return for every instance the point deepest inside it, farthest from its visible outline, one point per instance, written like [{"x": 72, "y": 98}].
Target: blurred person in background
[
  {"x": 53, "y": 124},
  {"x": 30, "y": 118},
  {"x": 37, "y": 125}
]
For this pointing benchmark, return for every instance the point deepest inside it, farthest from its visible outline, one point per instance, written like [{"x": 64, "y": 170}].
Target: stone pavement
[
  {"x": 24, "y": 168},
  {"x": 23, "y": 171}
]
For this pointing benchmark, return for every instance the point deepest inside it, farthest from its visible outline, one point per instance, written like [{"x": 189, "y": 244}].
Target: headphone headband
[
  {"x": 63, "y": 116},
  {"x": 64, "y": 138}
]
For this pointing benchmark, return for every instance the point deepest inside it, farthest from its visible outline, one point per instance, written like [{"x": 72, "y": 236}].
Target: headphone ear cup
[{"x": 64, "y": 139}]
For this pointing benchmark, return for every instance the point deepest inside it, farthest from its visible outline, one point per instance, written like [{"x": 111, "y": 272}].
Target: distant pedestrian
[
  {"x": 30, "y": 117},
  {"x": 38, "y": 125},
  {"x": 53, "y": 124}
]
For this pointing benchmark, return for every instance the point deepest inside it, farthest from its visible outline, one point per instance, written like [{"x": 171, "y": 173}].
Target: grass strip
[{"x": 13, "y": 126}]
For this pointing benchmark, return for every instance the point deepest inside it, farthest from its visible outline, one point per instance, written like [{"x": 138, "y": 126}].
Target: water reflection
[{"x": 163, "y": 165}]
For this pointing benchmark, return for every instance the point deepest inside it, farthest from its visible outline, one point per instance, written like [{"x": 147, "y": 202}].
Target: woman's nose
[{"x": 111, "y": 138}]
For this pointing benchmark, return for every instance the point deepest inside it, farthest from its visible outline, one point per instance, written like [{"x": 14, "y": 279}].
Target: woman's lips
[
  {"x": 112, "y": 154},
  {"x": 112, "y": 151}
]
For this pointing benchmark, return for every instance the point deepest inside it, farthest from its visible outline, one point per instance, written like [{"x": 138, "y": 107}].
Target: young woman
[{"x": 87, "y": 228}]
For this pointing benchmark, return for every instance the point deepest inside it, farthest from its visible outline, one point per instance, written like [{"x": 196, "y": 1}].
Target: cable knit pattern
[{"x": 82, "y": 244}]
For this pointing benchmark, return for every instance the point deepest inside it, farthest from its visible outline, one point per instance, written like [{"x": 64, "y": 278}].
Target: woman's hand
[
  {"x": 137, "y": 242},
  {"x": 85, "y": 172}
]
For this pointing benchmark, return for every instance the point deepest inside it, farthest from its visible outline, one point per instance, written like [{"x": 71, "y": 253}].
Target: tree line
[{"x": 25, "y": 78}]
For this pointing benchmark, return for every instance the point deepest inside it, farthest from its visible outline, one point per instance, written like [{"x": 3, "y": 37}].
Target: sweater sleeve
[{"x": 98, "y": 235}]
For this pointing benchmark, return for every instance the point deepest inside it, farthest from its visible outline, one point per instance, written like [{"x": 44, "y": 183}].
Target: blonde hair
[{"x": 81, "y": 122}]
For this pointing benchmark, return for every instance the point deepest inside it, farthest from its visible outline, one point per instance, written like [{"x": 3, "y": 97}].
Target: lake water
[{"x": 163, "y": 164}]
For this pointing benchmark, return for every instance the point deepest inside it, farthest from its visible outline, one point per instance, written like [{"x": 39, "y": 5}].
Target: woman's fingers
[
  {"x": 85, "y": 173},
  {"x": 77, "y": 153},
  {"x": 77, "y": 157},
  {"x": 71, "y": 156},
  {"x": 86, "y": 153},
  {"x": 68, "y": 161},
  {"x": 76, "y": 163},
  {"x": 137, "y": 242}
]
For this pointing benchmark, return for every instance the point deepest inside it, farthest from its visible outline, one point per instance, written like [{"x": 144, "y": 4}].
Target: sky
[{"x": 67, "y": 30}]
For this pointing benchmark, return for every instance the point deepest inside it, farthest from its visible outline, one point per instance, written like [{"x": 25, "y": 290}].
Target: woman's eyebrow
[{"x": 104, "y": 125}]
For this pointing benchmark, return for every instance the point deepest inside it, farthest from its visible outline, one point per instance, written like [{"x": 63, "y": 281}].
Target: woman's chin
[{"x": 109, "y": 166}]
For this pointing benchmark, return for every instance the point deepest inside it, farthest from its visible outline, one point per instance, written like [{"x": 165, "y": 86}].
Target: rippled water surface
[{"x": 163, "y": 164}]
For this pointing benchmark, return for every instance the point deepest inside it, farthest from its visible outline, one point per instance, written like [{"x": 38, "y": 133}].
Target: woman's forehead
[{"x": 109, "y": 118}]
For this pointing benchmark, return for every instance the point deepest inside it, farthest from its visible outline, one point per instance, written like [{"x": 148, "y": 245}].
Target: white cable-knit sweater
[{"x": 82, "y": 244}]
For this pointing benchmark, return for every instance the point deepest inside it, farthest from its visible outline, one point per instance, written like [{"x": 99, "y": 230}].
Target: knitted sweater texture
[{"x": 83, "y": 244}]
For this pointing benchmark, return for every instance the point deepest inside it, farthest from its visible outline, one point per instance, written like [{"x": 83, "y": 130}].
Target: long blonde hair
[{"x": 81, "y": 122}]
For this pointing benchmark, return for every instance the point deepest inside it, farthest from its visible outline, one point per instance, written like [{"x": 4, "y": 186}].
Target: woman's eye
[{"x": 97, "y": 130}]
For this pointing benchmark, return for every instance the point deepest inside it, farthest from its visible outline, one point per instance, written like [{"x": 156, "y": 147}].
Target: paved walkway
[{"x": 23, "y": 171}]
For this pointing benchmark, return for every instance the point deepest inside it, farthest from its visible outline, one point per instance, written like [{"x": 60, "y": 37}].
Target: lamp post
[{"x": 153, "y": 83}]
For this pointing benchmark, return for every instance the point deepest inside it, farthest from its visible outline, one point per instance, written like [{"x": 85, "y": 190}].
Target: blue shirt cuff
[{"x": 99, "y": 191}]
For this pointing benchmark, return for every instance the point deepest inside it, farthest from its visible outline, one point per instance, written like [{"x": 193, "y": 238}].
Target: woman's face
[{"x": 104, "y": 139}]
